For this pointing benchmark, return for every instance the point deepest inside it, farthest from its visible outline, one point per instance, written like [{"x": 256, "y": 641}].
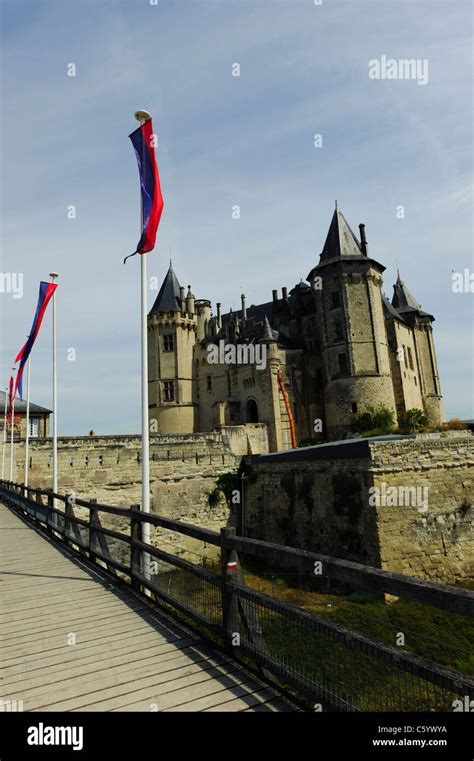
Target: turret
[
  {"x": 190, "y": 301},
  {"x": 171, "y": 337},
  {"x": 354, "y": 342},
  {"x": 203, "y": 311}
]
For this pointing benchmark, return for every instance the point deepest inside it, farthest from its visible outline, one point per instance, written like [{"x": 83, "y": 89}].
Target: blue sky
[{"x": 226, "y": 141}]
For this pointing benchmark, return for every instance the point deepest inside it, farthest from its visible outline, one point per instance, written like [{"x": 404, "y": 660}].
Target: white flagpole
[
  {"x": 12, "y": 421},
  {"x": 27, "y": 438},
  {"x": 142, "y": 117},
  {"x": 4, "y": 443},
  {"x": 53, "y": 276}
]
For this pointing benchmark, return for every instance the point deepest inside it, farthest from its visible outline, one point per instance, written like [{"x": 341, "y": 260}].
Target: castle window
[
  {"x": 169, "y": 391},
  {"x": 354, "y": 407},
  {"x": 343, "y": 364},
  {"x": 410, "y": 358},
  {"x": 168, "y": 342},
  {"x": 335, "y": 299},
  {"x": 414, "y": 378},
  {"x": 209, "y": 383},
  {"x": 339, "y": 331}
]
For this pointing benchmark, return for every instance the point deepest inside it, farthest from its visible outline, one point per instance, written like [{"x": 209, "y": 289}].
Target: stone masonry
[{"x": 338, "y": 499}]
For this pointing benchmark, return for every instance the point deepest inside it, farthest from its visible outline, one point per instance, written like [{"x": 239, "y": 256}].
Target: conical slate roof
[
  {"x": 402, "y": 300},
  {"x": 268, "y": 335},
  {"x": 340, "y": 241},
  {"x": 168, "y": 295}
]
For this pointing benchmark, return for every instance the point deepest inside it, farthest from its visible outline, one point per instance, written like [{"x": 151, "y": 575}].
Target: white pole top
[{"x": 142, "y": 116}]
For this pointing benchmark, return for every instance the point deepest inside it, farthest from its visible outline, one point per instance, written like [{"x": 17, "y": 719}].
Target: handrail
[
  {"x": 368, "y": 578},
  {"x": 288, "y": 643}
]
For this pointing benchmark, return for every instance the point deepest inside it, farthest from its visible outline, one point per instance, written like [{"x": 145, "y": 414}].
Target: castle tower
[
  {"x": 353, "y": 339},
  {"x": 422, "y": 326},
  {"x": 172, "y": 326}
]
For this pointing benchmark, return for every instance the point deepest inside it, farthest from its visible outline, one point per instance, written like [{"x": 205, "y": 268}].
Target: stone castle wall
[
  {"x": 337, "y": 499},
  {"x": 320, "y": 498},
  {"x": 183, "y": 471}
]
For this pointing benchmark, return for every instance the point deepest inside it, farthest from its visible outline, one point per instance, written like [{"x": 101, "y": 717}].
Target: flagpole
[
  {"x": 4, "y": 443},
  {"x": 53, "y": 276},
  {"x": 27, "y": 439},
  {"x": 142, "y": 117},
  {"x": 12, "y": 418}
]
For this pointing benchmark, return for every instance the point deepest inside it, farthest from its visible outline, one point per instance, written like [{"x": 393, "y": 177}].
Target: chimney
[
  {"x": 363, "y": 239},
  {"x": 275, "y": 295},
  {"x": 189, "y": 301},
  {"x": 182, "y": 298},
  {"x": 219, "y": 322},
  {"x": 244, "y": 308},
  {"x": 284, "y": 292}
]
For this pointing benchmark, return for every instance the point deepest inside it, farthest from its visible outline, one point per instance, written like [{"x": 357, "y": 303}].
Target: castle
[{"x": 303, "y": 363}]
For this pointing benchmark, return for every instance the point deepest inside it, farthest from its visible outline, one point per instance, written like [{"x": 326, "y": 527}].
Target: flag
[
  {"x": 46, "y": 291},
  {"x": 152, "y": 199}
]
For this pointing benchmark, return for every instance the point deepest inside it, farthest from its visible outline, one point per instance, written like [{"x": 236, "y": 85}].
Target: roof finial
[{"x": 336, "y": 204}]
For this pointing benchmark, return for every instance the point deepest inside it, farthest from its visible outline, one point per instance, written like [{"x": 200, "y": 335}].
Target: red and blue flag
[
  {"x": 152, "y": 199},
  {"x": 46, "y": 291}
]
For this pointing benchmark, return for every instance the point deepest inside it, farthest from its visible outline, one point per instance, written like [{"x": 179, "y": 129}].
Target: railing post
[
  {"x": 135, "y": 552},
  {"x": 92, "y": 523},
  {"x": 229, "y": 607}
]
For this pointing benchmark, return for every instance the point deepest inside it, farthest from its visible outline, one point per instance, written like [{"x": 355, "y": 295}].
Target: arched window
[{"x": 251, "y": 411}]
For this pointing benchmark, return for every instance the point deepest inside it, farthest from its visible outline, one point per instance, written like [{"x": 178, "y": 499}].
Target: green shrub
[
  {"x": 225, "y": 485},
  {"x": 375, "y": 421},
  {"x": 413, "y": 420}
]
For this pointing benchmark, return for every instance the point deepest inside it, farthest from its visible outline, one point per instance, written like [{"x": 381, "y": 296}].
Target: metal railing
[{"x": 320, "y": 660}]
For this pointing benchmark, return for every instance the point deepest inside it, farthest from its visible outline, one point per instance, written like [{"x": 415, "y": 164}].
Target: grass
[{"x": 362, "y": 679}]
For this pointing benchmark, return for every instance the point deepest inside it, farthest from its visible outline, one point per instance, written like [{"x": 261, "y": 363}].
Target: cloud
[{"x": 246, "y": 140}]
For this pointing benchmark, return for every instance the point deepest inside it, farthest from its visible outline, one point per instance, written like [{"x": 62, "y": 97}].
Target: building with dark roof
[
  {"x": 303, "y": 363},
  {"x": 38, "y": 419}
]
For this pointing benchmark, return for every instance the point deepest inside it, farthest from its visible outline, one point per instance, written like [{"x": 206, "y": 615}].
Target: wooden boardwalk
[{"x": 72, "y": 641}]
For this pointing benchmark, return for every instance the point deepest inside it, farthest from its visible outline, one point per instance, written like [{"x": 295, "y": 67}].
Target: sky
[{"x": 225, "y": 141}]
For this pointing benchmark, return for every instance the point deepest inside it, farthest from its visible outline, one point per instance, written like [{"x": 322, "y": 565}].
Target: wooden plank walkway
[{"x": 126, "y": 656}]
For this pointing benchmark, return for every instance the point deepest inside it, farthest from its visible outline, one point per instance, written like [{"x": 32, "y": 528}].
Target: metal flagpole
[
  {"x": 4, "y": 443},
  {"x": 12, "y": 420},
  {"x": 27, "y": 437},
  {"x": 53, "y": 276},
  {"x": 142, "y": 117}
]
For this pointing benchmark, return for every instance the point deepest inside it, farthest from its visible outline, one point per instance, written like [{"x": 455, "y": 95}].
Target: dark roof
[
  {"x": 390, "y": 309},
  {"x": 342, "y": 245},
  {"x": 402, "y": 299},
  {"x": 340, "y": 240},
  {"x": 404, "y": 302},
  {"x": 255, "y": 312},
  {"x": 268, "y": 335},
  {"x": 20, "y": 406},
  {"x": 345, "y": 449},
  {"x": 168, "y": 295}
]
